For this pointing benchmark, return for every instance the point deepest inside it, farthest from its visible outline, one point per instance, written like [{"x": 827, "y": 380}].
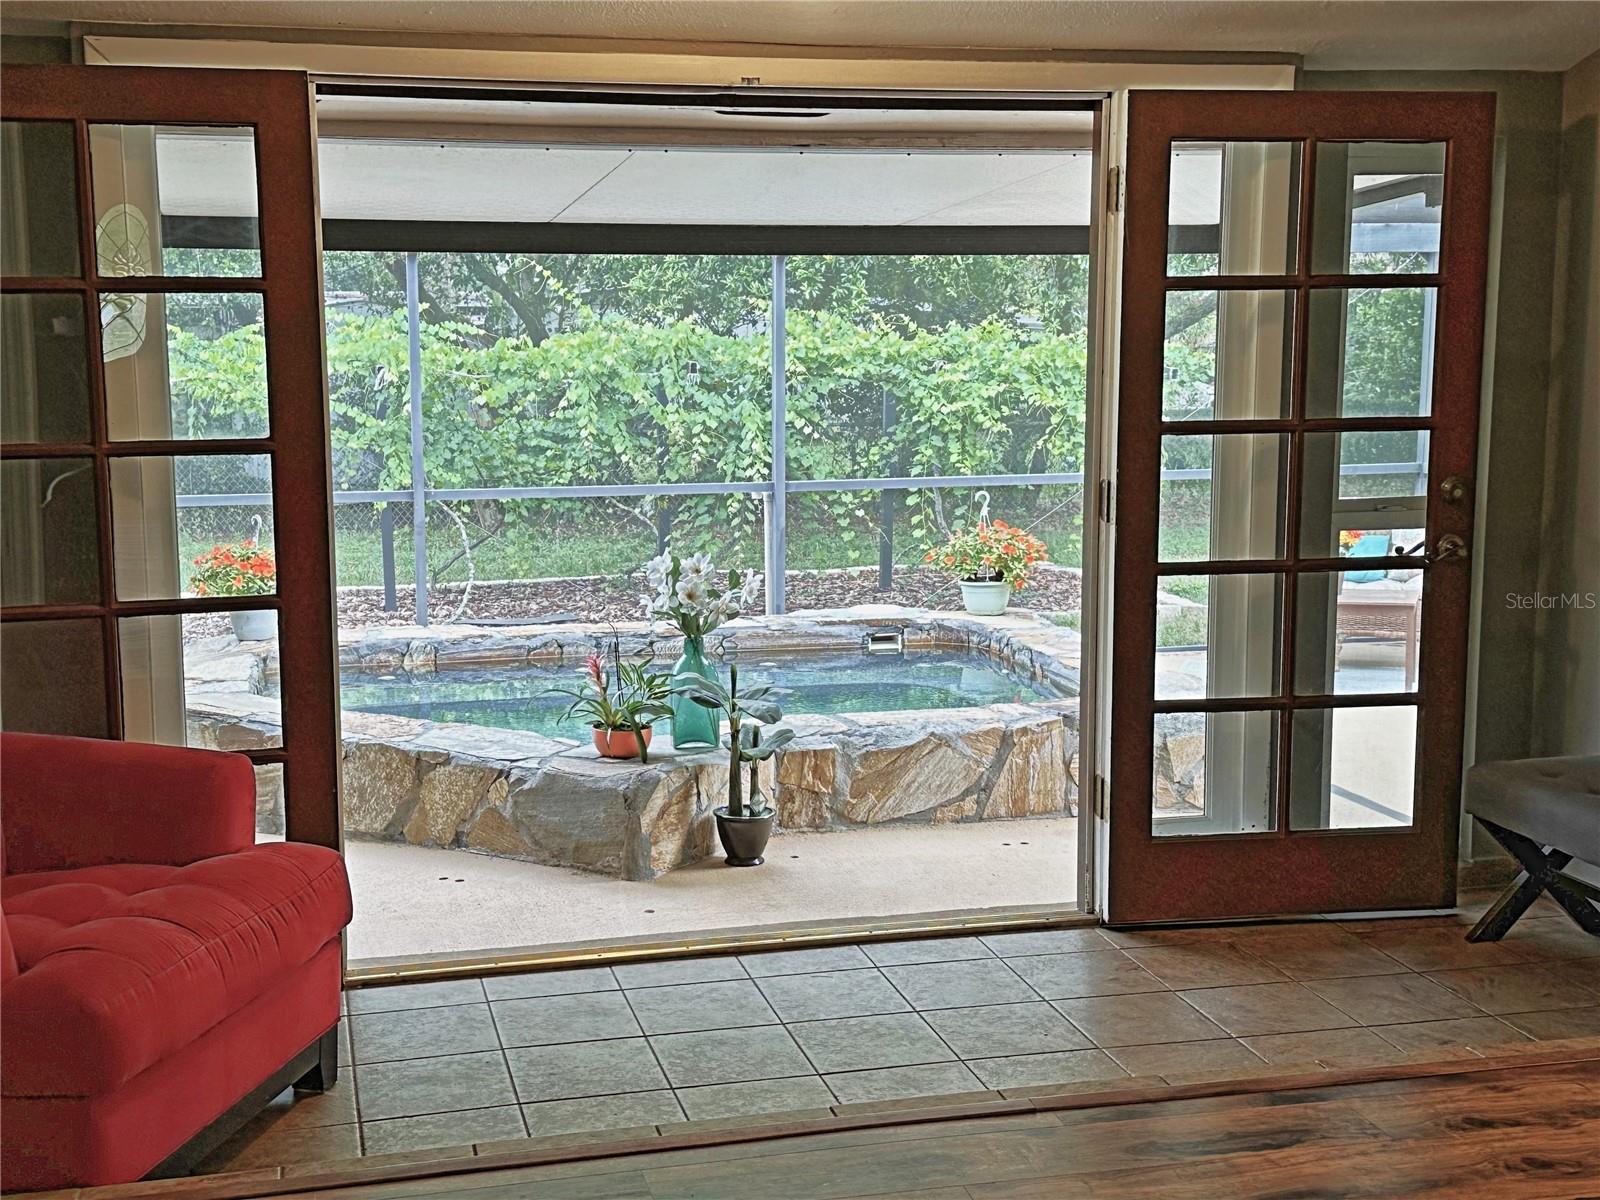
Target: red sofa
[{"x": 161, "y": 975}]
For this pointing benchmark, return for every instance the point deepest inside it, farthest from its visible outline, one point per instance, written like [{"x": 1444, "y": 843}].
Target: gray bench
[{"x": 1546, "y": 813}]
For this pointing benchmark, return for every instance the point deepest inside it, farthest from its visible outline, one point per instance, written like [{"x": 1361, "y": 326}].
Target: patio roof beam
[{"x": 561, "y": 237}]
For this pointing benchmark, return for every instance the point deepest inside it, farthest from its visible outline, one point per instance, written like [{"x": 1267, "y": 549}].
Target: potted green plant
[
  {"x": 686, "y": 596},
  {"x": 744, "y": 823},
  {"x": 240, "y": 569},
  {"x": 621, "y": 701},
  {"x": 992, "y": 560}
]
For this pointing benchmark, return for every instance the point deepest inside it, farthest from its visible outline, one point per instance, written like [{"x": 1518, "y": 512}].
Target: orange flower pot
[{"x": 619, "y": 743}]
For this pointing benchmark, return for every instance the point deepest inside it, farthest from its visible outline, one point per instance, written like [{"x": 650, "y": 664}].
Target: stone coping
[
  {"x": 555, "y": 801},
  {"x": 1019, "y": 639}
]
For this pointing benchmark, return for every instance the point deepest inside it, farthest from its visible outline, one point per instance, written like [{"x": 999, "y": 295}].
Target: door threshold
[{"x": 372, "y": 972}]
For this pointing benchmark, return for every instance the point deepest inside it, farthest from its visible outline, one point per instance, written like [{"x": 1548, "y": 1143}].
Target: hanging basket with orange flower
[
  {"x": 990, "y": 552},
  {"x": 992, "y": 560},
  {"x": 235, "y": 569}
]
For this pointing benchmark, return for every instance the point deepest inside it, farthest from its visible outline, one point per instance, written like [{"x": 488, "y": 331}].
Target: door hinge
[
  {"x": 1101, "y": 793},
  {"x": 1108, "y": 512},
  {"x": 1114, "y": 193}
]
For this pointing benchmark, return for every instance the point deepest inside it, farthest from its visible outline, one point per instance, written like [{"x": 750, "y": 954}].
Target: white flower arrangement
[{"x": 686, "y": 594}]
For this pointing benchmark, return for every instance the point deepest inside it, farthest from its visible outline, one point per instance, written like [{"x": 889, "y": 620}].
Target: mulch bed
[
  {"x": 614, "y": 599},
  {"x": 601, "y": 598}
]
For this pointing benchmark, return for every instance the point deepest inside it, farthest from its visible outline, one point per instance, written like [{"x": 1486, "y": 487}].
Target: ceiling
[
  {"x": 444, "y": 160},
  {"x": 448, "y": 181},
  {"x": 1545, "y": 35},
  {"x": 211, "y": 173}
]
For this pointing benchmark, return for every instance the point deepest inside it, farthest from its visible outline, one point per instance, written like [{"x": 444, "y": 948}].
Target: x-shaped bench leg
[{"x": 1541, "y": 872}]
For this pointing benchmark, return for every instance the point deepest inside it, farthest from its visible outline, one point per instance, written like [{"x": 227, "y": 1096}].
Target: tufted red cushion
[
  {"x": 81, "y": 802},
  {"x": 124, "y": 964}
]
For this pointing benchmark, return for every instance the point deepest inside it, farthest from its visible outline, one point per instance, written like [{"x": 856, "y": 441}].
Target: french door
[
  {"x": 1297, "y": 431},
  {"x": 147, "y": 475}
]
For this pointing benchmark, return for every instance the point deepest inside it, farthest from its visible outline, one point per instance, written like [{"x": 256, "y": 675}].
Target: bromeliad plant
[
  {"x": 991, "y": 551},
  {"x": 235, "y": 569},
  {"x": 746, "y": 712},
  {"x": 619, "y": 697}
]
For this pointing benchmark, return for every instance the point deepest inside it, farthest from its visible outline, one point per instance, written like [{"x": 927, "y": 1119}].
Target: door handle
[{"x": 1449, "y": 547}]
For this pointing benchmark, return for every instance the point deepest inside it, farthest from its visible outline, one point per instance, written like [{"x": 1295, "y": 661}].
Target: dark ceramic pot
[{"x": 744, "y": 838}]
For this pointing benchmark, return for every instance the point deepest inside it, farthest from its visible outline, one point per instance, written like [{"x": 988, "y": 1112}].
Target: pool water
[{"x": 517, "y": 697}]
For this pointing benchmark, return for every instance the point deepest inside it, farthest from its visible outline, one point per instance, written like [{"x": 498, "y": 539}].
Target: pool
[
  {"x": 517, "y": 696},
  {"x": 450, "y": 737}
]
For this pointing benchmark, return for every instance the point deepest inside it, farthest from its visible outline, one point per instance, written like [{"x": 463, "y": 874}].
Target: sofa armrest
[{"x": 84, "y": 802}]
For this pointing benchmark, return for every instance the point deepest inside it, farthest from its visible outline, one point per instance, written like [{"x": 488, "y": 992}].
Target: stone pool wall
[{"x": 553, "y": 800}]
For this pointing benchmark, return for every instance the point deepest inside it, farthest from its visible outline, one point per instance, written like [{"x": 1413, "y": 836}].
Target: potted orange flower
[
  {"x": 992, "y": 560},
  {"x": 240, "y": 569}
]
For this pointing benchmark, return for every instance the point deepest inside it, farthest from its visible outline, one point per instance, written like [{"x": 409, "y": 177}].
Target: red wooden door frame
[
  {"x": 277, "y": 105},
  {"x": 1204, "y": 877}
]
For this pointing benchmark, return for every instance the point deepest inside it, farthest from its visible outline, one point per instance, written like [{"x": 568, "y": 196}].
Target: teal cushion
[{"x": 1371, "y": 545}]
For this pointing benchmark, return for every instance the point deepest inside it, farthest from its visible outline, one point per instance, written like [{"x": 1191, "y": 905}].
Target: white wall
[{"x": 1568, "y": 635}]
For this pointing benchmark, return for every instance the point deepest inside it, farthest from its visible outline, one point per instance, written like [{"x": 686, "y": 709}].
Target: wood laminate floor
[{"x": 1498, "y": 1133}]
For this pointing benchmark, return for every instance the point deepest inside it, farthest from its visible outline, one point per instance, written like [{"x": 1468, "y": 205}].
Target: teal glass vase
[{"x": 694, "y": 726}]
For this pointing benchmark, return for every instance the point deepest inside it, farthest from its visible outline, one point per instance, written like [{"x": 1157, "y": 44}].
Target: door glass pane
[
  {"x": 1227, "y": 355},
  {"x": 1218, "y": 636},
  {"x": 1357, "y": 632},
  {"x": 1364, "y": 494},
  {"x": 1369, "y": 352},
  {"x": 184, "y": 365},
  {"x": 1222, "y": 496},
  {"x": 1377, "y": 207},
  {"x": 202, "y": 679},
  {"x": 44, "y": 357},
  {"x": 1215, "y": 773},
  {"x": 270, "y": 810},
  {"x": 1233, "y": 208},
  {"x": 39, "y": 220},
  {"x": 196, "y": 525},
  {"x": 50, "y": 551},
  {"x": 1353, "y": 768},
  {"x": 175, "y": 199},
  {"x": 53, "y": 678}
]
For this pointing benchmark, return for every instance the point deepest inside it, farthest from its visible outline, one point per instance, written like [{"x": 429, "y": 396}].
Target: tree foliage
[
  {"x": 554, "y": 370},
  {"x": 594, "y": 370}
]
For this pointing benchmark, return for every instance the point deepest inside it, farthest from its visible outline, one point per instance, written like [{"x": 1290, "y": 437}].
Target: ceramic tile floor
[{"x": 451, "y": 1063}]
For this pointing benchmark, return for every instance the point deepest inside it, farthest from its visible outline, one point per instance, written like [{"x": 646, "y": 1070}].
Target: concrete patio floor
[
  {"x": 412, "y": 900},
  {"x": 416, "y": 901}
]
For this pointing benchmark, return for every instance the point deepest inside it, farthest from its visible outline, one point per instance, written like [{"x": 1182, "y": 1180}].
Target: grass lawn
[
  {"x": 538, "y": 553},
  {"x": 612, "y": 544}
]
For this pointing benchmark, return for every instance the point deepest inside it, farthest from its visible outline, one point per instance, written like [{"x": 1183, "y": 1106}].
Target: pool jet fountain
[{"x": 743, "y": 825}]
